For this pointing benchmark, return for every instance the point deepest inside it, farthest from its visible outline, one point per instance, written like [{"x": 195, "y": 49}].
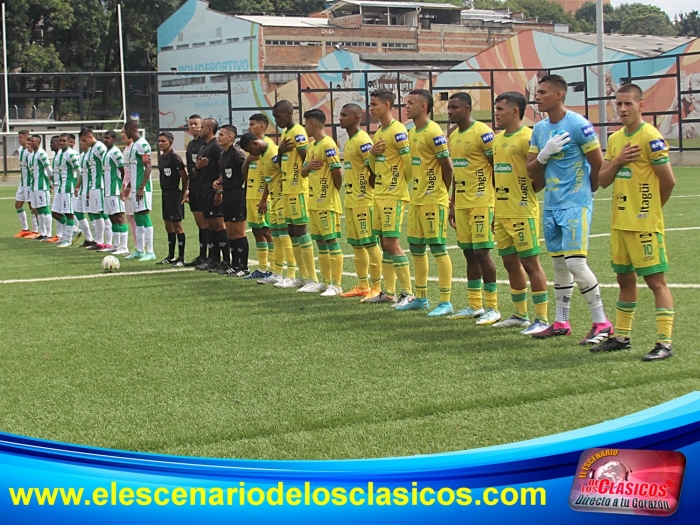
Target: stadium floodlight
[
  {"x": 5, "y": 71},
  {"x": 121, "y": 57}
]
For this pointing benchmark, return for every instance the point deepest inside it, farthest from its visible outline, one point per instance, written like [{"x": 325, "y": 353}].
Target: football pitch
[{"x": 190, "y": 363}]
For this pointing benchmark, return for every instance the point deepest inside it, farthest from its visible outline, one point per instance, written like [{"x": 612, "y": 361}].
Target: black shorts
[
  {"x": 209, "y": 210},
  {"x": 195, "y": 198},
  {"x": 173, "y": 209},
  {"x": 234, "y": 205}
]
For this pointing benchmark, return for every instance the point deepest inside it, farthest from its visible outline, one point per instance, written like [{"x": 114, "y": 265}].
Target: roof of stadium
[{"x": 639, "y": 45}]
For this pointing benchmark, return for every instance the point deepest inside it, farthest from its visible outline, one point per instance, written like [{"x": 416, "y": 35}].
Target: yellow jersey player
[
  {"x": 431, "y": 172},
  {"x": 322, "y": 168},
  {"x": 390, "y": 160},
  {"x": 359, "y": 202},
  {"x": 295, "y": 188},
  {"x": 637, "y": 165},
  {"x": 471, "y": 207},
  {"x": 518, "y": 214}
]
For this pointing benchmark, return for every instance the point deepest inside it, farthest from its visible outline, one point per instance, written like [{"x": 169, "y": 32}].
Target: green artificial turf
[{"x": 196, "y": 364}]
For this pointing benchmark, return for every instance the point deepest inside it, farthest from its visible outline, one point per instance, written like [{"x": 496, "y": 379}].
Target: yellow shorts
[
  {"x": 387, "y": 217},
  {"x": 427, "y": 224},
  {"x": 519, "y": 235},
  {"x": 358, "y": 226},
  {"x": 324, "y": 225},
  {"x": 641, "y": 252},
  {"x": 295, "y": 210},
  {"x": 255, "y": 218},
  {"x": 474, "y": 228}
]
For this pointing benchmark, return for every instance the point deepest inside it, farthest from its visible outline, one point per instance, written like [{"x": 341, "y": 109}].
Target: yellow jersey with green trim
[
  {"x": 428, "y": 146},
  {"x": 267, "y": 163},
  {"x": 515, "y": 196},
  {"x": 391, "y": 181},
  {"x": 256, "y": 179},
  {"x": 292, "y": 181},
  {"x": 323, "y": 195},
  {"x": 636, "y": 202},
  {"x": 358, "y": 191},
  {"x": 471, "y": 151}
]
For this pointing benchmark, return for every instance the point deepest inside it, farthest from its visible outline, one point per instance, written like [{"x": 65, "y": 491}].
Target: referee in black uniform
[
  {"x": 195, "y": 196},
  {"x": 172, "y": 171},
  {"x": 233, "y": 183}
]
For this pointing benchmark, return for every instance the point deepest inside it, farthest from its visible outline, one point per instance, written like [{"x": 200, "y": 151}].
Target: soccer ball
[{"x": 110, "y": 264}]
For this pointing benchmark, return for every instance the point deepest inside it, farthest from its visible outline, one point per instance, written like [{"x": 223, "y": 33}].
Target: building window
[
  {"x": 215, "y": 42},
  {"x": 248, "y": 37},
  {"x": 353, "y": 44},
  {"x": 199, "y": 44},
  {"x": 167, "y": 48},
  {"x": 231, "y": 40},
  {"x": 183, "y": 46},
  {"x": 398, "y": 45},
  {"x": 185, "y": 81}
]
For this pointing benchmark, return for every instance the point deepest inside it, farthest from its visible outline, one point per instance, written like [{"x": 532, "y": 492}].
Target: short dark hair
[
  {"x": 515, "y": 98},
  {"x": 23, "y": 132},
  {"x": 283, "y": 104},
  {"x": 632, "y": 88},
  {"x": 259, "y": 117},
  {"x": 557, "y": 80},
  {"x": 427, "y": 95},
  {"x": 231, "y": 129},
  {"x": 383, "y": 94},
  {"x": 64, "y": 135},
  {"x": 35, "y": 136},
  {"x": 85, "y": 131},
  {"x": 317, "y": 115},
  {"x": 167, "y": 135},
  {"x": 354, "y": 106},
  {"x": 213, "y": 123},
  {"x": 131, "y": 125},
  {"x": 71, "y": 136},
  {"x": 246, "y": 139},
  {"x": 194, "y": 116},
  {"x": 111, "y": 134},
  {"x": 464, "y": 97},
  {"x": 55, "y": 137}
]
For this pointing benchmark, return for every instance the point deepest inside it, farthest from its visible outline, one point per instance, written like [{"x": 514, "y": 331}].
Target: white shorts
[
  {"x": 56, "y": 204},
  {"x": 79, "y": 203},
  {"x": 145, "y": 204},
  {"x": 128, "y": 208},
  {"x": 96, "y": 202},
  {"x": 22, "y": 194},
  {"x": 40, "y": 198},
  {"x": 65, "y": 203},
  {"x": 113, "y": 205}
]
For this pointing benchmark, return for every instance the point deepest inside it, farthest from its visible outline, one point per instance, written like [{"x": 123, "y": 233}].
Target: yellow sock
[
  {"x": 298, "y": 257},
  {"x": 519, "y": 298},
  {"x": 307, "y": 252},
  {"x": 474, "y": 294},
  {"x": 403, "y": 273},
  {"x": 279, "y": 255},
  {"x": 664, "y": 325},
  {"x": 491, "y": 295},
  {"x": 361, "y": 266},
  {"x": 324, "y": 263},
  {"x": 270, "y": 253},
  {"x": 375, "y": 266},
  {"x": 261, "y": 248},
  {"x": 420, "y": 270},
  {"x": 624, "y": 315},
  {"x": 540, "y": 300},
  {"x": 389, "y": 273},
  {"x": 290, "y": 256},
  {"x": 336, "y": 256},
  {"x": 444, "y": 268}
]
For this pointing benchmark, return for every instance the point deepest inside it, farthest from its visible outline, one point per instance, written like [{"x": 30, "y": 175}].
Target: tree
[
  {"x": 688, "y": 24},
  {"x": 642, "y": 19},
  {"x": 585, "y": 17}
]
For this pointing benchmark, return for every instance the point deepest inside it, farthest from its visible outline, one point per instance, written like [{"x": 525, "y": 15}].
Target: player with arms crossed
[
  {"x": 637, "y": 165},
  {"x": 114, "y": 206},
  {"x": 565, "y": 148},
  {"x": 431, "y": 170},
  {"x": 390, "y": 161},
  {"x": 359, "y": 203},
  {"x": 322, "y": 167},
  {"x": 172, "y": 170},
  {"x": 471, "y": 207},
  {"x": 194, "y": 196}
]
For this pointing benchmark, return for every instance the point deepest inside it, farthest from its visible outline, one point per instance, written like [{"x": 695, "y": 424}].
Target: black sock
[
  {"x": 242, "y": 249},
  {"x": 234, "y": 253},
  {"x": 181, "y": 246},
  {"x": 213, "y": 248},
  {"x": 171, "y": 245},
  {"x": 223, "y": 246},
  {"x": 203, "y": 242}
]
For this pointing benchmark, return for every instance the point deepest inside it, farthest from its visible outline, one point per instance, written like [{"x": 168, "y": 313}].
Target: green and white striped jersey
[
  {"x": 113, "y": 177},
  {"x": 55, "y": 167},
  {"x": 41, "y": 170},
  {"x": 23, "y": 156},
  {"x": 69, "y": 168},
  {"x": 84, "y": 173},
  {"x": 139, "y": 150},
  {"x": 95, "y": 159}
]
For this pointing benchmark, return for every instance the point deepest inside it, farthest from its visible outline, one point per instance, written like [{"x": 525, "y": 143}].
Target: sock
[
  {"x": 336, "y": 259},
  {"x": 307, "y": 252},
  {"x": 181, "y": 246},
  {"x": 491, "y": 295},
  {"x": 588, "y": 286},
  {"x": 403, "y": 273},
  {"x": 59, "y": 229},
  {"x": 47, "y": 224},
  {"x": 519, "y": 299},
  {"x": 22, "y": 216},
  {"x": 624, "y": 315},
  {"x": 140, "y": 233},
  {"x": 289, "y": 256},
  {"x": 242, "y": 249},
  {"x": 474, "y": 294},
  {"x": 203, "y": 241},
  {"x": 270, "y": 254},
  {"x": 278, "y": 253},
  {"x": 324, "y": 263},
  {"x": 35, "y": 223},
  {"x": 298, "y": 257},
  {"x": 223, "y": 246},
  {"x": 444, "y": 268},
  {"x": 563, "y": 284},
  {"x": 117, "y": 235},
  {"x": 262, "y": 250},
  {"x": 171, "y": 245},
  {"x": 99, "y": 225},
  {"x": 148, "y": 232},
  {"x": 109, "y": 231},
  {"x": 85, "y": 228},
  {"x": 69, "y": 229},
  {"x": 664, "y": 325},
  {"x": 124, "y": 243},
  {"x": 420, "y": 269},
  {"x": 375, "y": 266},
  {"x": 540, "y": 300},
  {"x": 389, "y": 273},
  {"x": 361, "y": 260}
]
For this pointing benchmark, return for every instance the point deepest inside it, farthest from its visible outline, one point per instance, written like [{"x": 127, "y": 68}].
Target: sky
[{"x": 672, "y": 7}]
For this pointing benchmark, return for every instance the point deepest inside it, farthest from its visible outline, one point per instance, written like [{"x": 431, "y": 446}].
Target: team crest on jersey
[
  {"x": 274, "y": 159},
  {"x": 300, "y": 138},
  {"x": 365, "y": 147},
  {"x": 229, "y": 173},
  {"x": 400, "y": 137},
  {"x": 487, "y": 137},
  {"x": 587, "y": 130},
  {"x": 167, "y": 172},
  {"x": 657, "y": 145},
  {"x": 439, "y": 141},
  {"x": 331, "y": 152}
]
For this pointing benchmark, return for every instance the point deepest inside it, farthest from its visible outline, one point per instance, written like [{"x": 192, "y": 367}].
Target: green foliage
[{"x": 688, "y": 24}]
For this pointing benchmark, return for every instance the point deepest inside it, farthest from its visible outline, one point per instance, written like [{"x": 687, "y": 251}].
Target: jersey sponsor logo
[
  {"x": 400, "y": 137},
  {"x": 365, "y": 147},
  {"x": 487, "y": 137},
  {"x": 502, "y": 167},
  {"x": 587, "y": 130},
  {"x": 381, "y": 158},
  {"x": 300, "y": 138},
  {"x": 623, "y": 173},
  {"x": 331, "y": 152},
  {"x": 460, "y": 163},
  {"x": 348, "y": 166},
  {"x": 439, "y": 141},
  {"x": 657, "y": 145},
  {"x": 253, "y": 165},
  {"x": 167, "y": 172},
  {"x": 228, "y": 172},
  {"x": 415, "y": 161}
]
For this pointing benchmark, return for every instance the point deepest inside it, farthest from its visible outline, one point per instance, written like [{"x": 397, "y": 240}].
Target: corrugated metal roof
[
  {"x": 285, "y": 21},
  {"x": 396, "y": 5},
  {"x": 639, "y": 45},
  {"x": 416, "y": 57}
]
